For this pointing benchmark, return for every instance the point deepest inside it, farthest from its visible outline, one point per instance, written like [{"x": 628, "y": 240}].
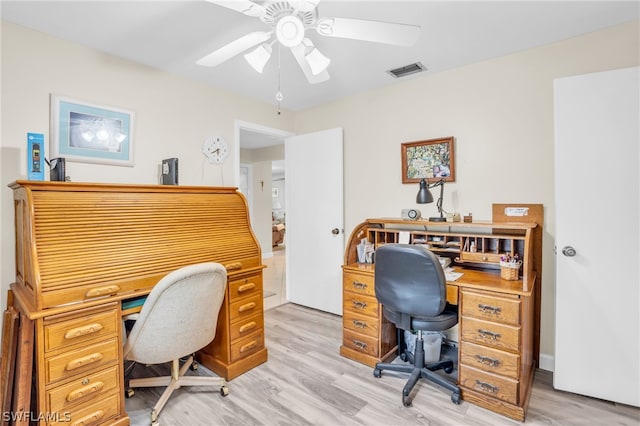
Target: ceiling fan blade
[
  {"x": 247, "y": 7},
  {"x": 299, "y": 53},
  {"x": 234, "y": 48},
  {"x": 379, "y": 32}
]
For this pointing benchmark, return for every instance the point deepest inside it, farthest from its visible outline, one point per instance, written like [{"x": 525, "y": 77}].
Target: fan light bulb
[
  {"x": 317, "y": 61},
  {"x": 279, "y": 96},
  {"x": 290, "y": 31},
  {"x": 258, "y": 58}
]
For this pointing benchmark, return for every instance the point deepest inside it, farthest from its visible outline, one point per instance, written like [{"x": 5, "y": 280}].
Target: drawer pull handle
[
  {"x": 102, "y": 291},
  {"x": 248, "y": 326},
  {"x": 486, "y": 334},
  {"x": 83, "y": 331},
  {"x": 359, "y": 305},
  {"x": 84, "y": 391},
  {"x": 248, "y": 346},
  {"x": 91, "y": 418},
  {"x": 246, "y": 287},
  {"x": 247, "y": 307},
  {"x": 233, "y": 266},
  {"x": 488, "y": 308},
  {"x": 359, "y": 285},
  {"x": 487, "y": 360},
  {"x": 359, "y": 344},
  {"x": 85, "y": 360},
  {"x": 486, "y": 387},
  {"x": 359, "y": 324}
]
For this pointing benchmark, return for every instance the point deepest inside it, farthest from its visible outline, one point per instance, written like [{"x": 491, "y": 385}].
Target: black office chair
[{"x": 411, "y": 286}]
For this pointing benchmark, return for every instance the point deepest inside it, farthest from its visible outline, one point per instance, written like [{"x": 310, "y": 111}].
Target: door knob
[
  {"x": 568, "y": 251},
  {"x": 335, "y": 231}
]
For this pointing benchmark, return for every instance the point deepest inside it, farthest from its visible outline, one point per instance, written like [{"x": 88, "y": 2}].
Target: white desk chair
[{"x": 178, "y": 318}]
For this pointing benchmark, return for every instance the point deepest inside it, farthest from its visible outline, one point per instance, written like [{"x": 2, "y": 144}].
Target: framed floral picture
[
  {"x": 88, "y": 133},
  {"x": 431, "y": 159}
]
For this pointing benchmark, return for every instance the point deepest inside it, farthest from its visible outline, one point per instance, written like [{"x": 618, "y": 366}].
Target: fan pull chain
[{"x": 279, "y": 96}]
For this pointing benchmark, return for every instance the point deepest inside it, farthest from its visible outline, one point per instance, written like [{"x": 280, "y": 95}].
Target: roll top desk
[
  {"x": 82, "y": 249},
  {"x": 498, "y": 327}
]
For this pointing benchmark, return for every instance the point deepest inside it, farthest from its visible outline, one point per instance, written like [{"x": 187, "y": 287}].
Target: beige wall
[
  {"x": 501, "y": 114},
  {"x": 173, "y": 117}
]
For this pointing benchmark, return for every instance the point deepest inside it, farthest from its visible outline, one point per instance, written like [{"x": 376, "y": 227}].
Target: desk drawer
[
  {"x": 361, "y": 323},
  {"x": 81, "y": 360},
  {"x": 93, "y": 326},
  {"x": 98, "y": 411},
  {"x": 247, "y": 326},
  {"x": 491, "y": 307},
  {"x": 491, "y": 360},
  {"x": 246, "y": 307},
  {"x": 489, "y": 384},
  {"x": 245, "y": 347},
  {"x": 360, "y": 342},
  {"x": 360, "y": 304},
  {"x": 88, "y": 388},
  {"x": 358, "y": 283},
  {"x": 480, "y": 257},
  {"x": 490, "y": 334},
  {"x": 245, "y": 287}
]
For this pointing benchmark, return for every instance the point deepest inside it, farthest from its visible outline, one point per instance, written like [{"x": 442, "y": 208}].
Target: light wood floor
[{"x": 306, "y": 382}]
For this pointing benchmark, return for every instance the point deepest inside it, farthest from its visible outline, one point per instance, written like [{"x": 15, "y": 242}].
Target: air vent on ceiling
[{"x": 407, "y": 70}]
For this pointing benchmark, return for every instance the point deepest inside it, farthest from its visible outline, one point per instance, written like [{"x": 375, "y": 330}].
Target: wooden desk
[
  {"x": 497, "y": 317},
  {"x": 83, "y": 248}
]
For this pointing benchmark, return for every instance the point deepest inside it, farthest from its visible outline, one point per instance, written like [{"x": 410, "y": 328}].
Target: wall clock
[{"x": 215, "y": 149}]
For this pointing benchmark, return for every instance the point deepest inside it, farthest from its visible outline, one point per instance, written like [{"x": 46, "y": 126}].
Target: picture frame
[
  {"x": 432, "y": 159},
  {"x": 87, "y": 133}
]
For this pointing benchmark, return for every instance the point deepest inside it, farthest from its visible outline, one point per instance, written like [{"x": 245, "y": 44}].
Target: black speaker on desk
[{"x": 170, "y": 171}]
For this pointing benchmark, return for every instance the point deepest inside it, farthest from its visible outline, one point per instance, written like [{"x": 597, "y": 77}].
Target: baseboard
[{"x": 547, "y": 362}]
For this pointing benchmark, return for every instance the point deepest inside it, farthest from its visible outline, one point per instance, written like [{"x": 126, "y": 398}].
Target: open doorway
[{"x": 262, "y": 151}]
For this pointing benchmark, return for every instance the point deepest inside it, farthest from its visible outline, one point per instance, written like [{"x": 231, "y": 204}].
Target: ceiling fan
[{"x": 288, "y": 21}]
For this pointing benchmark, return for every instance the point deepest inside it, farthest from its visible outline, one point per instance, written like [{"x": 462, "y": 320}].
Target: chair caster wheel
[
  {"x": 224, "y": 391},
  {"x": 128, "y": 393},
  {"x": 406, "y": 401},
  {"x": 193, "y": 366},
  {"x": 455, "y": 398},
  {"x": 448, "y": 370},
  {"x": 377, "y": 372}
]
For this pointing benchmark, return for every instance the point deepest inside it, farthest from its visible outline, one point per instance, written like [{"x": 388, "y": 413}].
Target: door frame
[
  {"x": 257, "y": 128},
  {"x": 254, "y": 127}
]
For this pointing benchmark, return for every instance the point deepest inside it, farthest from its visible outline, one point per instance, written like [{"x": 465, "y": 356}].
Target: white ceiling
[{"x": 172, "y": 35}]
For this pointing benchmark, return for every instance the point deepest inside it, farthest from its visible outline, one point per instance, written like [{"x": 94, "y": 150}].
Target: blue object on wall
[{"x": 35, "y": 156}]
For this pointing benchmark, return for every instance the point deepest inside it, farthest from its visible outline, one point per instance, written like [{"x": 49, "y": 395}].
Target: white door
[
  {"x": 315, "y": 236},
  {"x": 597, "y": 196}
]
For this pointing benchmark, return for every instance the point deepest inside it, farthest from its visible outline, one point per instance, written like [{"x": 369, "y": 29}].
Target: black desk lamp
[{"x": 425, "y": 197}]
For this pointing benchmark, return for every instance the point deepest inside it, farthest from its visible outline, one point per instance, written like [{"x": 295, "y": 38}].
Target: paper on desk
[
  {"x": 403, "y": 237},
  {"x": 451, "y": 275}
]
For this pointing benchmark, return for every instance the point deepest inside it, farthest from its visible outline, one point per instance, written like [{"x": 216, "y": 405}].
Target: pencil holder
[{"x": 509, "y": 270}]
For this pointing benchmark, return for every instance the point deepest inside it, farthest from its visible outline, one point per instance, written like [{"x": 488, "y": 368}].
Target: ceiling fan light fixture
[
  {"x": 290, "y": 31},
  {"x": 317, "y": 61},
  {"x": 304, "y": 5},
  {"x": 259, "y": 57}
]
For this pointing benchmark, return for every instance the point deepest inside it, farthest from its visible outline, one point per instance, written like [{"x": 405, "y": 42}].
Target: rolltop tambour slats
[{"x": 87, "y": 236}]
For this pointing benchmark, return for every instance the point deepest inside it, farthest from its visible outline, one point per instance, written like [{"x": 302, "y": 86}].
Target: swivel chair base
[{"x": 419, "y": 370}]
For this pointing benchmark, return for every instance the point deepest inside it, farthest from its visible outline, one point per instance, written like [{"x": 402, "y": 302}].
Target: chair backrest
[
  {"x": 180, "y": 315},
  {"x": 409, "y": 279}
]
